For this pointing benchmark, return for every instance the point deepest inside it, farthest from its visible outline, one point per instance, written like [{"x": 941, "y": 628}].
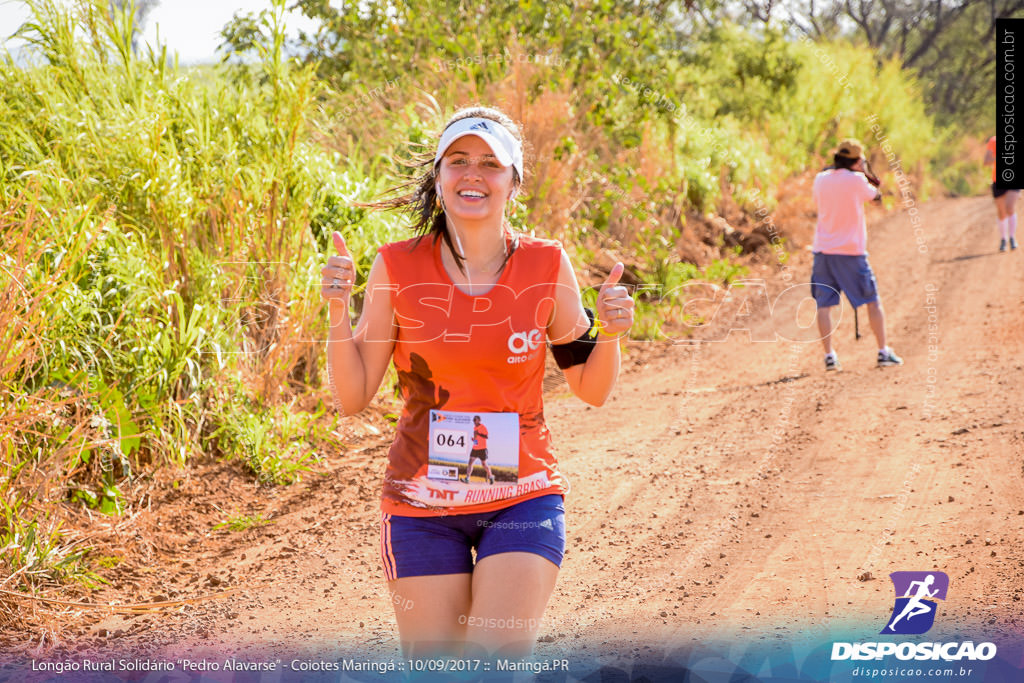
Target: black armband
[{"x": 576, "y": 352}]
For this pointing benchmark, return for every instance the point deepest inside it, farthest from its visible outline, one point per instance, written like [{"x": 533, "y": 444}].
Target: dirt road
[{"x": 728, "y": 487}]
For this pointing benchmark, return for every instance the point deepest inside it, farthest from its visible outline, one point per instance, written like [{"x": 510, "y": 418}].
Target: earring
[{"x": 437, "y": 202}]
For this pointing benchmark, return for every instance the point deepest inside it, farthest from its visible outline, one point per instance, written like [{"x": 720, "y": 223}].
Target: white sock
[
  {"x": 1004, "y": 226},
  {"x": 832, "y": 355},
  {"x": 884, "y": 349},
  {"x": 1011, "y": 225}
]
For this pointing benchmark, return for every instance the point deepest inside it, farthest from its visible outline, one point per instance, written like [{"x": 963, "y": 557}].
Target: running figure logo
[{"x": 916, "y": 601}]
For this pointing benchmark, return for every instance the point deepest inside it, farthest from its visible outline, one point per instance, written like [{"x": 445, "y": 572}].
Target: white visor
[{"x": 506, "y": 148}]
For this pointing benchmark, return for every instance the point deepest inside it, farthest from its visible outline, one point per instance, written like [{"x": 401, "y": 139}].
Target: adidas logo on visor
[{"x": 507, "y": 149}]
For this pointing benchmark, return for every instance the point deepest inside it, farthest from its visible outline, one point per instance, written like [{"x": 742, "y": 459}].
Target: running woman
[
  {"x": 840, "y": 248},
  {"x": 1006, "y": 202},
  {"x": 464, "y": 310},
  {"x": 479, "y": 451}
]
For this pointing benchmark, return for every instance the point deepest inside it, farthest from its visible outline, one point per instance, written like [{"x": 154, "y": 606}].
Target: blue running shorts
[
  {"x": 850, "y": 274},
  {"x": 427, "y": 546}
]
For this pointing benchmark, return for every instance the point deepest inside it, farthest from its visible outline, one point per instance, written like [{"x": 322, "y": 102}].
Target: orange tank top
[
  {"x": 459, "y": 357},
  {"x": 991, "y": 147}
]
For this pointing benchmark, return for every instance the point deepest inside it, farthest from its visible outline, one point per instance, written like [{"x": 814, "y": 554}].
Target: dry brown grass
[{"x": 33, "y": 472}]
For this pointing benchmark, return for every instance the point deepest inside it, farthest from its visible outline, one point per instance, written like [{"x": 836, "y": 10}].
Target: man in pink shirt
[{"x": 840, "y": 248}]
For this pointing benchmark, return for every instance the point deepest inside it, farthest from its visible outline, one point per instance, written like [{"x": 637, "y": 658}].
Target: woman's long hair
[{"x": 419, "y": 197}]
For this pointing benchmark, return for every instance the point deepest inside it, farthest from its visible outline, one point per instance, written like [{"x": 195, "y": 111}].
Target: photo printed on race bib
[{"x": 475, "y": 448}]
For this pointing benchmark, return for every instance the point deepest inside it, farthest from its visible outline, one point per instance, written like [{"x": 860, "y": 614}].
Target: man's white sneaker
[{"x": 887, "y": 358}]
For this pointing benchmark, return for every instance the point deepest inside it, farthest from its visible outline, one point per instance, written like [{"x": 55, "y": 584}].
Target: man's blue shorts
[
  {"x": 427, "y": 546},
  {"x": 850, "y": 274}
]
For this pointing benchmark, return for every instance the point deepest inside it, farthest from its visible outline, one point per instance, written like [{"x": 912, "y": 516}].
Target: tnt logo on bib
[
  {"x": 917, "y": 594},
  {"x": 522, "y": 343}
]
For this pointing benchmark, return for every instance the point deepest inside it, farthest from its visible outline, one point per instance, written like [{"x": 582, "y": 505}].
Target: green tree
[
  {"x": 948, "y": 44},
  {"x": 390, "y": 39}
]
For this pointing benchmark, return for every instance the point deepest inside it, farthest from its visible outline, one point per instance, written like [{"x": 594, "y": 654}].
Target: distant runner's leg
[
  {"x": 1003, "y": 215},
  {"x": 877, "y": 318},
  {"x": 1011, "y": 211},
  {"x": 825, "y": 327}
]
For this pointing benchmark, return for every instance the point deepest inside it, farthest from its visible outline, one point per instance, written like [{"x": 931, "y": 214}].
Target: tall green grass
[{"x": 162, "y": 230}]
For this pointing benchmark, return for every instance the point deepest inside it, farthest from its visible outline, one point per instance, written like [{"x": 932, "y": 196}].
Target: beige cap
[{"x": 850, "y": 148}]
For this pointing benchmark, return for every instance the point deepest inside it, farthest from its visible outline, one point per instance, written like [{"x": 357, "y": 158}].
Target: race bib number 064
[
  {"x": 474, "y": 448},
  {"x": 451, "y": 441}
]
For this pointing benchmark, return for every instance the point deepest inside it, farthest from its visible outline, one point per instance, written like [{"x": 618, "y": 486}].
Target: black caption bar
[{"x": 1009, "y": 135}]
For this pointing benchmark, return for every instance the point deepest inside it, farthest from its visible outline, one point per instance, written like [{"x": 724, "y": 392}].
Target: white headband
[{"x": 506, "y": 148}]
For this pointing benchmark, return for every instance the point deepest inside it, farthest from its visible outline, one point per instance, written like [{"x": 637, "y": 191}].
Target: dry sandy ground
[{"x": 729, "y": 487}]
